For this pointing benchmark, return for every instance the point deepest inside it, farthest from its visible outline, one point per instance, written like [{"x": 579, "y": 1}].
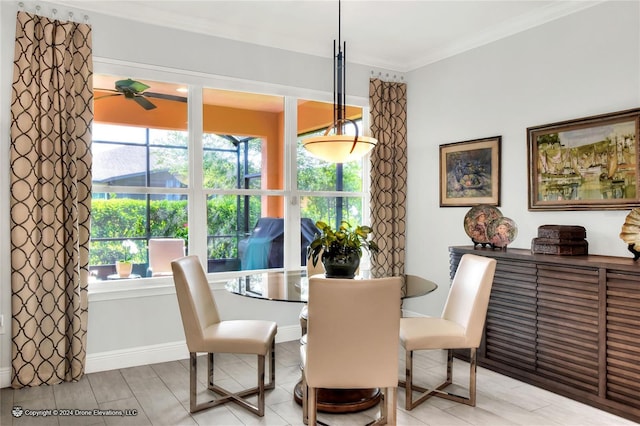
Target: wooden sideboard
[{"x": 568, "y": 324}]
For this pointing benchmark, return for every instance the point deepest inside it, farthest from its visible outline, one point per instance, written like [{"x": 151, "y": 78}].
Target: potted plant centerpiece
[
  {"x": 340, "y": 251},
  {"x": 125, "y": 266}
]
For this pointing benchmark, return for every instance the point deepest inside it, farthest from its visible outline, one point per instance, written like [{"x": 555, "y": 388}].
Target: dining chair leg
[
  {"x": 473, "y": 369},
  {"x": 467, "y": 400},
  {"x": 210, "y": 366},
  {"x": 391, "y": 405},
  {"x": 193, "y": 372},
  {"x": 305, "y": 403},
  {"x": 383, "y": 405},
  {"x": 388, "y": 407},
  {"x": 449, "y": 366},
  {"x": 408, "y": 387},
  {"x": 226, "y": 396},
  {"x": 272, "y": 367},
  {"x": 311, "y": 406},
  {"x": 438, "y": 390},
  {"x": 261, "y": 362}
]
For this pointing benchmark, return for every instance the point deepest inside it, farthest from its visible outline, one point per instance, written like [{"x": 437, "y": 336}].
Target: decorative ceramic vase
[
  {"x": 124, "y": 268},
  {"x": 341, "y": 265},
  {"x": 630, "y": 233}
]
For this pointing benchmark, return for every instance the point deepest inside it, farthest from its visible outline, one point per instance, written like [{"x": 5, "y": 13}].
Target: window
[
  {"x": 329, "y": 192},
  {"x": 243, "y": 151},
  {"x": 212, "y": 174}
]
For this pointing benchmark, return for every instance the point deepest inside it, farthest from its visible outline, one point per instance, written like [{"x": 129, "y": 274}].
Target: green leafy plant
[
  {"x": 344, "y": 240},
  {"x": 183, "y": 232}
]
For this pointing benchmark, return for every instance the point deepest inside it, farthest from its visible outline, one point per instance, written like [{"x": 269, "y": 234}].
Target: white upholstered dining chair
[
  {"x": 352, "y": 340},
  {"x": 459, "y": 327},
  {"x": 206, "y": 332}
]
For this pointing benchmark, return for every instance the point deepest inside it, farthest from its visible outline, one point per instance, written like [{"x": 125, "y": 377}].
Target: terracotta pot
[{"x": 124, "y": 268}]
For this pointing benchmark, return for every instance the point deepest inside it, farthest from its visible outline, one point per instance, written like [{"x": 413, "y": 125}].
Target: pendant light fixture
[{"x": 338, "y": 147}]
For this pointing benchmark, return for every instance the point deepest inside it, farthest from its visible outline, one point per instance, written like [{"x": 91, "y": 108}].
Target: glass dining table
[{"x": 293, "y": 286}]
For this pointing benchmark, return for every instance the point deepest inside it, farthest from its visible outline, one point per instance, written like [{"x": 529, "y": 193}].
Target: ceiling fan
[{"x": 136, "y": 90}]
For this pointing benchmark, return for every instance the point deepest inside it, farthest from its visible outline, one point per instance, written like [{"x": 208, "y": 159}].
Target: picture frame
[
  {"x": 470, "y": 172},
  {"x": 585, "y": 164}
]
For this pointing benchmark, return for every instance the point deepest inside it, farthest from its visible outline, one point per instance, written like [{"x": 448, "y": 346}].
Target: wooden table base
[{"x": 342, "y": 400}]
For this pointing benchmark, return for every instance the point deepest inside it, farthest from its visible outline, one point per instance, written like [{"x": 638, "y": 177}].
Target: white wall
[{"x": 582, "y": 65}]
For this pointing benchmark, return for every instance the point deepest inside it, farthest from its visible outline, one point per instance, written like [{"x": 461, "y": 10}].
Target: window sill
[{"x": 147, "y": 287}]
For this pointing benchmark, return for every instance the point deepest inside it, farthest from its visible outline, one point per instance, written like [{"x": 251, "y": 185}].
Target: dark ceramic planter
[{"x": 341, "y": 265}]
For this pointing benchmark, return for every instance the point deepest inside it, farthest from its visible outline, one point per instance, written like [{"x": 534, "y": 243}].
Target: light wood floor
[{"x": 160, "y": 394}]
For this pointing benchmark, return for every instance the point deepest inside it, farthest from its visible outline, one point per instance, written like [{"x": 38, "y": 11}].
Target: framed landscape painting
[
  {"x": 470, "y": 173},
  {"x": 585, "y": 164}
]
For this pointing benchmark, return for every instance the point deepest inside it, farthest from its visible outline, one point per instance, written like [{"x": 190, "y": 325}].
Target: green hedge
[{"x": 118, "y": 219}]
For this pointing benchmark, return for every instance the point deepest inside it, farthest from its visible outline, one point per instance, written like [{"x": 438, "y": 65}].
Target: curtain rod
[
  {"x": 395, "y": 78},
  {"x": 53, "y": 13}
]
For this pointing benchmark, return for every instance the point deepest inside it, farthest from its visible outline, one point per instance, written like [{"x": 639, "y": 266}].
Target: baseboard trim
[
  {"x": 151, "y": 354},
  {"x": 411, "y": 314},
  {"x": 5, "y": 377},
  {"x": 133, "y": 357}
]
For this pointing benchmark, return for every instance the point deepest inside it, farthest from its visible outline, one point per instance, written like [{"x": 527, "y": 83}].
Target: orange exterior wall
[
  {"x": 169, "y": 115},
  {"x": 313, "y": 115}
]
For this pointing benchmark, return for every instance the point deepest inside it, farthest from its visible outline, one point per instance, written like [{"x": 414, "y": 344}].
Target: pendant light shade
[{"x": 338, "y": 147}]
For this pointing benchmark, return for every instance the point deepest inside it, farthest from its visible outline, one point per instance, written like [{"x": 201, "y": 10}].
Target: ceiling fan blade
[
  {"x": 99, "y": 89},
  {"x": 144, "y": 102},
  {"x": 107, "y": 96},
  {"x": 165, "y": 96}
]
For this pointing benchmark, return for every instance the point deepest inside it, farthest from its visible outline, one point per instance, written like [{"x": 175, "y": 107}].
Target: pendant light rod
[
  {"x": 339, "y": 76},
  {"x": 339, "y": 148},
  {"x": 339, "y": 21}
]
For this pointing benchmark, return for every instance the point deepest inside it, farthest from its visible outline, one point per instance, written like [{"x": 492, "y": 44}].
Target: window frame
[{"x": 197, "y": 195}]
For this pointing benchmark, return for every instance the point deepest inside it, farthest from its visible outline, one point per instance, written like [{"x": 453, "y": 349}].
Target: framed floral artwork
[{"x": 470, "y": 173}]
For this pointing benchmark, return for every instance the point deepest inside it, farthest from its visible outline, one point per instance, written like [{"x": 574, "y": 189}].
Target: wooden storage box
[
  {"x": 562, "y": 232},
  {"x": 562, "y": 248},
  {"x": 564, "y": 240}
]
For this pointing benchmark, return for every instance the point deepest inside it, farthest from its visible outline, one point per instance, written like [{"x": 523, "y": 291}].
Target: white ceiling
[{"x": 393, "y": 34}]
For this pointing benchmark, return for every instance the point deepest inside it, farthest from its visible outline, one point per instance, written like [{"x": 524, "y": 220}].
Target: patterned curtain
[
  {"x": 388, "y": 102},
  {"x": 51, "y": 115}
]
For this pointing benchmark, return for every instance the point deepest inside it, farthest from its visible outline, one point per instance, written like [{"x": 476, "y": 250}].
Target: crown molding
[{"x": 525, "y": 22}]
